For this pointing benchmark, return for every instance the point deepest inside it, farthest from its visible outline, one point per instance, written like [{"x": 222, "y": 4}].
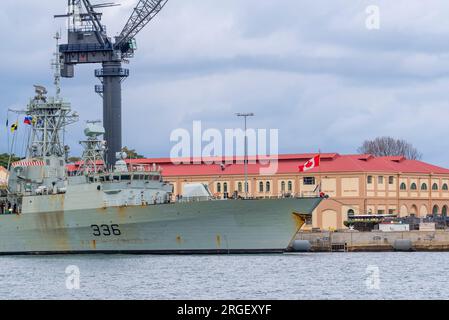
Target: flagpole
[
  {"x": 319, "y": 173},
  {"x": 13, "y": 143}
]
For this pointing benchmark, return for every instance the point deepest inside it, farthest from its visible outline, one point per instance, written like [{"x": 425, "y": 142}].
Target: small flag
[
  {"x": 14, "y": 127},
  {"x": 309, "y": 165},
  {"x": 28, "y": 121}
]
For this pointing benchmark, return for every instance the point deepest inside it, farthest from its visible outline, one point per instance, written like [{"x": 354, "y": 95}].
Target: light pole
[{"x": 246, "y": 115}]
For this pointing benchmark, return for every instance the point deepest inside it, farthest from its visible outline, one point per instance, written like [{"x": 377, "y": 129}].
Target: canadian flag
[{"x": 309, "y": 165}]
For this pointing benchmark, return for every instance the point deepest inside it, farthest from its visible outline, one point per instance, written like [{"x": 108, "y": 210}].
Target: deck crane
[{"x": 88, "y": 42}]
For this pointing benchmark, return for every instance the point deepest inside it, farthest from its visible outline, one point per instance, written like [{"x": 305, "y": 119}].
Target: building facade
[{"x": 355, "y": 184}]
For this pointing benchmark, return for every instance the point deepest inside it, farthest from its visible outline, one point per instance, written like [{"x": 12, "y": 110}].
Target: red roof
[
  {"x": 330, "y": 163},
  {"x": 288, "y": 164}
]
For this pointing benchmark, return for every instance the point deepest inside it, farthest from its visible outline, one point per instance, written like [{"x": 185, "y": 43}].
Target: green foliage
[
  {"x": 73, "y": 159},
  {"x": 4, "y": 159},
  {"x": 132, "y": 153}
]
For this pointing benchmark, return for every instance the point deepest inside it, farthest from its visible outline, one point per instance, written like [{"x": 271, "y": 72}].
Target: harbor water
[{"x": 306, "y": 276}]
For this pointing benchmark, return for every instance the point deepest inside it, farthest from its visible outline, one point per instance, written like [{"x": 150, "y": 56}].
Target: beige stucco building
[{"x": 356, "y": 184}]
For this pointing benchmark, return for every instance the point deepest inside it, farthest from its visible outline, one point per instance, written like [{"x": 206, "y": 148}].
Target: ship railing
[
  {"x": 193, "y": 199},
  {"x": 144, "y": 168}
]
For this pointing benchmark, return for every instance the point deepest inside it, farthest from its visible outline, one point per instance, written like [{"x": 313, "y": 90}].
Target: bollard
[
  {"x": 301, "y": 246},
  {"x": 403, "y": 245}
]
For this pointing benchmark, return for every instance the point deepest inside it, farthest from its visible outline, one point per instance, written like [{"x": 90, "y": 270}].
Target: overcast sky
[{"x": 309, "y": 68}]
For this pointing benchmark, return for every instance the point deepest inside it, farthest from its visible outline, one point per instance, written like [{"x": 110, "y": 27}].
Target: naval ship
[{"x": 124, "y": 208}]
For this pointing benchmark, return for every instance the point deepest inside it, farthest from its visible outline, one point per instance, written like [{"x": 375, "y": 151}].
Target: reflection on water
[{"x": 291, "y": 276}]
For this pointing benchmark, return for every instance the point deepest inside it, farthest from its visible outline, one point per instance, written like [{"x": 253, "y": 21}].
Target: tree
[
  {"x": 132, "y": 153},
  {"x": 74, "y": 159},
  {"x": 4, "y": 159},
  {"x": 388, "y": 146}
]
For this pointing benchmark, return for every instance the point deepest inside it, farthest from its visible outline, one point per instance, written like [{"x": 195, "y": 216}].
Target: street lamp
[{"x": 246, "y": 115}]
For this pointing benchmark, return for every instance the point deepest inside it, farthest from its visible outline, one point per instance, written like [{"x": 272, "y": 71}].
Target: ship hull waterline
[{"x": 210, "y": 227}]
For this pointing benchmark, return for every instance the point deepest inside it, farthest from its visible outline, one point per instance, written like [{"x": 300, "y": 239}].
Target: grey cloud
[{"x": 309, "y": 68}]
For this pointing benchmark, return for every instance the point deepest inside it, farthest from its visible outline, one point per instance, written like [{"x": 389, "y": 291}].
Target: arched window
[
  {"x": 240, "y": 187},
  {"x": 435, "y": 210},
  {"x": 413, "y": 186},
  {"x": 403, "y": 186},
  {"x": 268, "y": 189},
  {"x": 283, "y": 186},
  {"x": 219, "y": 187},
  {"x": 351, "y": 213},
  {"x": 424, "y": 186},
  {"x": 444, "y": 211},
  {"x": 445, "y": 188},
  {"x": 261, "y": 186},
  {"x": 290, "y": 186},
  {"x": 225, "y": 187},
  {"x": 435, "y": 186}
]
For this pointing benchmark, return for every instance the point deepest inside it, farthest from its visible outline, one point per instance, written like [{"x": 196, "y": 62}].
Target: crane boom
[{"x": 143, "y": 13}]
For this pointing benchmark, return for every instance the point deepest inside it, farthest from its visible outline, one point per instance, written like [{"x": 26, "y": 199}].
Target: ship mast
[
  {"x": 49, "y": 117},
  {"x": 94, "y": 149}
]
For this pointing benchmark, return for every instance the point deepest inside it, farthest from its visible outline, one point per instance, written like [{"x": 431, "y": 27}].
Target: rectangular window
[
  {"x": 391, "y": 211},
  {"x": 380, "y": 211},
  {"x": 309, "y": 181},
  {"x": 370, "y": 179},
  {"x": 391, "y": 180},
  {"x": 380, "y": 180}
]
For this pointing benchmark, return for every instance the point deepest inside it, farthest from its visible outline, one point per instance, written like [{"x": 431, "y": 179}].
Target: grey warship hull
[{"x": 212, "y": 227}]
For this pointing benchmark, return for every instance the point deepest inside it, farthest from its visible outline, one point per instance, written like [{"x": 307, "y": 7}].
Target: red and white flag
[{"x": 309, "y": 165}]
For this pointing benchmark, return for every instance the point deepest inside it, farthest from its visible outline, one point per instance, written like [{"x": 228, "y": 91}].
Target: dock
[{"x": 376, "y": 241}]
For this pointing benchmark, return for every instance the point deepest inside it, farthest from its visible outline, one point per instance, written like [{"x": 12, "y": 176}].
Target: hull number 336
[{"x": 106, "y": 230}]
